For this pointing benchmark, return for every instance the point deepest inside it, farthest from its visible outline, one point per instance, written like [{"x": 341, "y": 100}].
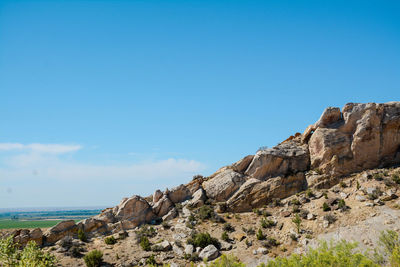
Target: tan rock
[
  {"x": 134, "y": 209},
  {"x": 179, "y": 194},
  {"x": 163, "y": 206},
  {"x": 62, "y": 229},
  {"x": 223, "y": 185}
]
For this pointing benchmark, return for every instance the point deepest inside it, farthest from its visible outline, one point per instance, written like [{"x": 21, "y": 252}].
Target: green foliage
[
  {"x": 94, "y": 258},
  {"x": 341, "y": 254},
  {"x": 266, "y": 223},
  {"x": 297, "y": 221},
  {"x": 228, "y": 227},
  {"x": 396, "y": 178},
  {"x": 151, "y": 260},
  {"x": 110, "y": 240},
  {"x": 389, "y": 240},
  {"x": 145, "y": 243},
  {"x": 206, "y": 212},
  {"x": 325, "y": 207},
  {"x": 309, "y": 193},
  {"x": 249, "y": 231},
  {"x": 342, "y": 184},
  {"x": 165, "y": 225},
  {"x": 226, "y": 261},
  {"x": 82, "y": 235},
  {"x": 31, "y": 255},
  {"x": 342, "y": 205},
  {"x": 202, "y": 240},
  {"x": 295, "y": 201},
  {"x": 257, "y": 211},
  {"x": 260, "y": 235},
  {"x": 225, "y": 236},
  {"x": 358, "y": 185}
]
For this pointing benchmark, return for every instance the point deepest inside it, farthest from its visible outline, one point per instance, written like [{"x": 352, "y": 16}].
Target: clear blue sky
[{"x": 105, "y": 99}]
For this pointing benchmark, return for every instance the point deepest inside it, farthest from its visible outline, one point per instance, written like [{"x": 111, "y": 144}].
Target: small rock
[
  {"x": 360, "y": 198},
  {"x": 177, "y": 250},
  {"x": 189, "y": 249},
  {"x": 209, "y": 253},
  {"x": 343, "y": 195},
  {"x": 311, "y": 216},
  {"x": 286, "y": 213},
  {"x": 254, "y": 252},
  {"x": 225, "y": 246},
  {"x": 371, "y": 190},
  {"x": 262, "y": 251},
  {"x": 325, "y": 223},
  {"x": 369, "y": 204}
]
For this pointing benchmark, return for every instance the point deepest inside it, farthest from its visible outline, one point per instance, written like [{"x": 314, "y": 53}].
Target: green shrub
[
  {"x": 110, "y": 240},
  {"x": 266, "y": 223},
  {"x": 297, "y": 221},
  {"x": 325, "y": 207},
  {"x": 341, "y": 254},
  {"x": 225, "y": 236},
  {"x": 151, "y": 260},
  {"x": 226, "y": 261},
  {"x": 309, "y": 193},
  {"x": 145, "y": 243},
  {"x": 82, "y": 235},
  {"x": 31, "y": 255},
  {"x": 202, "y": 240},
  {"x": 94, "y": 258},
  {"x": 205, "y": 212},
  {"x": 396, "y": 178},
  {"x": 342, "y": 205},
  {"x": 260, "y": 235},
  {"x": 228, "y": 227}
]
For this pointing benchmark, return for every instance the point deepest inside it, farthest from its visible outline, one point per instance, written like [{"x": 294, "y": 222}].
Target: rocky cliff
[{"x": 341, "y": 142}]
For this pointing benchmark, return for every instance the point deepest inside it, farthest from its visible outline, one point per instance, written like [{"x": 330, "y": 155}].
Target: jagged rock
[
  {"x": 365, "y": 136},
  {"x": 360, "y": 198},
  {"x": 223, "y": 185},
  {"x": 286, "y": 158},
  {"x": 162, "y": 206},
  {"x": 107, "y": 216},
  {"x": 242, "y": 165},
  {"x": 179, "y": 194},
  {"x": 157, "y": 195},
  {"x": 189, "y": 249},
  {"x": 255, "y": 193},
  {"x": 135, "y": 209},
  {"x": 23, "y": 236},
  {"x": 91, "y": 224},
  {"x": 165, "y": 245},
  {"x": 209, "y": 253},
  {"x": 170, "y": 215},
  {"x": 198, "y": 198},
  {"x": 60, "y": 230},
  {"x": 311, "y": 216},
  {"x": 177, "y": 250}
]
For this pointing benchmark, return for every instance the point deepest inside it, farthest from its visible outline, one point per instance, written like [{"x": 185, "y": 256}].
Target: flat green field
[{"x": 10, "y": 224}]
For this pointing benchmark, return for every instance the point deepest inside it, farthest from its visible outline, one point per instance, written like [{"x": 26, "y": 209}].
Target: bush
[
  {"x": 151, "y": 260},
  {"x": 94, "y": 258},
  {"x": 110, "y": 240},
  {"x": 165, "y": 225},
  {"x": 82, "y": 235},
  {"x": 206, "y": 212},
  {"x": 309, "y": 193},
  {"x": 396, "y": 178},
  {"x": 226, "y": 261},
  {"x": 266, "y": 223},
  {"x": 260, "y": 235},
  {"x": 145, "y": 243},
  {"x": 297, "y": 221},
  {"x": 330, "y": 218},
  {"x": 325, "y": 207},
  {"x": 249, "y": 231},
  {"x": 228, "y": 227},
  {"x": 202, "y": 240},
  {"x": 342, "y": 205},
  {"x": 31, "y": 255},
  {"x": 225, "y": 236},
  {"x": 341, "y": 254}
]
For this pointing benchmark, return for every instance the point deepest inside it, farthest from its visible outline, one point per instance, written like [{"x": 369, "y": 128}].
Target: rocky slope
[{"x": 337, "y": 149}]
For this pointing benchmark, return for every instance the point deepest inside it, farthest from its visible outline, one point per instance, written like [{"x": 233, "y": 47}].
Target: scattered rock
[{"x": 209, "y": 253}]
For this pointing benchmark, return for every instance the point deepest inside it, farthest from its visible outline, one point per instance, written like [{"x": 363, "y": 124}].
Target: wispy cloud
[{"x": 40, "y": 148}]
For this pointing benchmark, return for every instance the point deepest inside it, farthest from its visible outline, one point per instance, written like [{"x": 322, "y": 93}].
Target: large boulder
[
  {"x": 179, "y": 194},
  {"x": 23, "y": 236},
  {"x": 107, "y": 216},
  {"x": 362, "y": 136},
  {"x": 157, "y": 195},
  {"x": 135, "y": 209},
  {"x": 284, "y": 159},
  {"x": 242, "y": 165},
  {"x": 255, "y": 193},
  {"x": 223, "y": 185},
  {"x": 163, "y": 206},
  {"x": 209, "y": 253},
  {"x": 92, "y": 224},
  {"x": 62, "y": 229},
  {"x": 198, "y": 199}
]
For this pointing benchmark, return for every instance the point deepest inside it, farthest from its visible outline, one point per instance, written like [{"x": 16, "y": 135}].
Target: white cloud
[{"x": 40, "y": 148}]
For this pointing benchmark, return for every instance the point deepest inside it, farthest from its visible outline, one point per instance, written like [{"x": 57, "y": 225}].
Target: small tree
[
  {"x": 94, "y": 258},
  {"x": 82, "y": 235},
  {"x": 297, "y": 221}
]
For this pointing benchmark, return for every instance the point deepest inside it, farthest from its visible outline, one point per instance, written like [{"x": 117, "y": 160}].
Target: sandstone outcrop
[
  {"x": 60, "y": 230},
  {"x": 223, "y": 185},
  {"x": 362, "y": 136},
  {"x": 135, "y": 210},
  {"x": 179, "y": 194},
  {"x": 162, "y": 206},
  {"x": 284, "y": 159},
  {"x": 23, "y": 236}
]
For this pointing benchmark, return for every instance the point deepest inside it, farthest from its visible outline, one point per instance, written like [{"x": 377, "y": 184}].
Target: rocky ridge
[{"x": 342, "y": 142}]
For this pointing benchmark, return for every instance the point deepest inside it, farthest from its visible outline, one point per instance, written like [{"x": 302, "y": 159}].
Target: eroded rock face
[
  {"x": 364, "y": 136},
  {"x": 163, "y": 206},
  {"x": 60, "y": 230},
  {"x": 242, "y": 165},
  {"x": 135, "y": 210},
  {"x": 256, "y": 193},
  {"x": 179, "y": 194},
  {"x": 198, "y": 199},
  {"x": 23, "y": 236},
  {"x": 223, "y": 185},
  {"x": 284, "y": 159},
  {"x": 92, "y": 224}
]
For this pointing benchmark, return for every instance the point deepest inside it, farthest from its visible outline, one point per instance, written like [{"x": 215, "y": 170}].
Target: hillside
[{"x": 337, "y": 180}]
